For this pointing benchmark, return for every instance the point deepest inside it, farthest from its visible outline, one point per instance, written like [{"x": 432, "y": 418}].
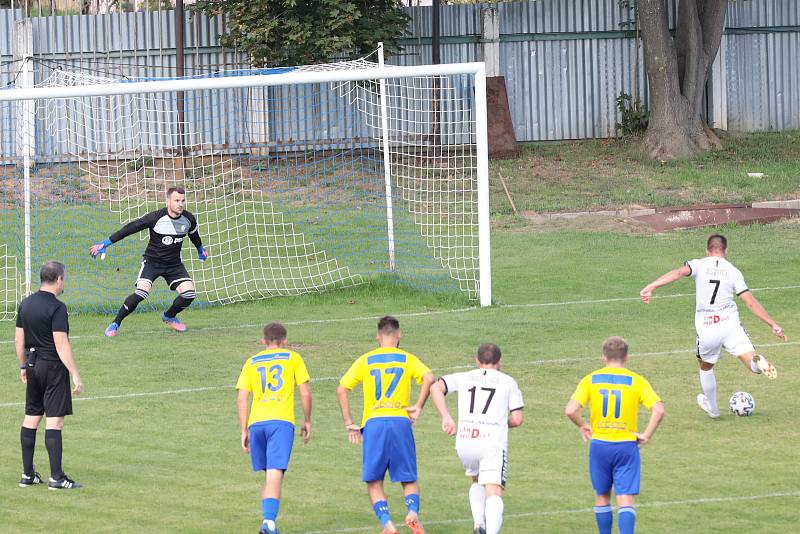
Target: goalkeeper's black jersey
[{"x": 166, "y": 235}]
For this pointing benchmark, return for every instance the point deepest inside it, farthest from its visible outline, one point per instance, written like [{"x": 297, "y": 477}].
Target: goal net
[{"x": 302, "y": 179}]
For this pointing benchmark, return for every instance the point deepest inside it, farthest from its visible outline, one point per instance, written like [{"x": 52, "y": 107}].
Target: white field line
[
  {"x": 515, "y": 363},
  {"x": 655, "y": 504},
  {"x": 415, "y": 314}
]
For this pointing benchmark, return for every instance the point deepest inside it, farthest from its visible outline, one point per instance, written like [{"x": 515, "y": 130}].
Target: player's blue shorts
[
  {"x": 389, "y": 444},
  {"x": 271, "y": 444},
  {"x": 614, "y": 463}
]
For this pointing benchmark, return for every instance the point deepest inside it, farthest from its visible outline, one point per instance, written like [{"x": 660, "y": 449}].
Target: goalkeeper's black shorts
[{"x": 174, "y": 275}]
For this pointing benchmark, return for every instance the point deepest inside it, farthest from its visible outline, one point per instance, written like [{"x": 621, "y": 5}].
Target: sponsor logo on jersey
[
  {"x": 710, "y": 320},
  {"x": 167, "y": 240}
]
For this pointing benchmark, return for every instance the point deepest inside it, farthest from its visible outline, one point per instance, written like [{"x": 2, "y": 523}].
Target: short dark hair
[
  {"x": 388, "y": 325},
  {"x": 717, "y": 242},
  {"x": 51, "y": 271},
  {"x": 489, "y": 353},
  {"x": 175, "y": 189},
  {"x": 615, "y": 348},
  {"x": 274, "y": 332}
]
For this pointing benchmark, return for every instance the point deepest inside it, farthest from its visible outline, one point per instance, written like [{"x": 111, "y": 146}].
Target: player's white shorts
[
  {"x": 489, "y": 464},
  {"x": 725, "y": 333}
]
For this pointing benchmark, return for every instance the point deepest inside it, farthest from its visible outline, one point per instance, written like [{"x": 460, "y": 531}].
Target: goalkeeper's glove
[
  {"x": 100, "y": 247},
  {"x": 202, "y": 253}
]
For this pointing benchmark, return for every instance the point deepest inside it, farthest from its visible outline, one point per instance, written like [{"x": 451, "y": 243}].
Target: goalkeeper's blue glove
[
  {"x": 100, "y": 247},
  {"x": 202, "y": 254}
]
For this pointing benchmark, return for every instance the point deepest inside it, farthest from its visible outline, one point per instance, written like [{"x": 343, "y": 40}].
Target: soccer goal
[{"x": 303, "y": 179}]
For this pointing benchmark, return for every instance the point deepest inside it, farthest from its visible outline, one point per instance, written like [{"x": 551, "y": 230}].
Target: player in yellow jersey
[
  {"x": 386, "y": 426},
  {"x": 614, "y": 394},
  {"x": 268, "y": 432}
]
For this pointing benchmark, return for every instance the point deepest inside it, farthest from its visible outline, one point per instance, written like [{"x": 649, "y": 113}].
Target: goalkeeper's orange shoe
[{"x": 174, "y": 323}]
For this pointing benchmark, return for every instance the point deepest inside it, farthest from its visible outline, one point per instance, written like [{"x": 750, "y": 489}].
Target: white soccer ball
[{"x": 742, "y": 403}]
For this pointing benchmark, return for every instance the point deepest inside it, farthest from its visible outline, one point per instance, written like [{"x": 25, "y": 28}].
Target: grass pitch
[{"x": 155, "y": 438}]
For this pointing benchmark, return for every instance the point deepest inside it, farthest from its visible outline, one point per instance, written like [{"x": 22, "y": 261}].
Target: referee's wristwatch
[{"x": 23, "y": 367}]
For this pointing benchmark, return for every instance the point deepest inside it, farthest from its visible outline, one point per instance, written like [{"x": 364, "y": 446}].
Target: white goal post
[{"x": 63, "y": 105}]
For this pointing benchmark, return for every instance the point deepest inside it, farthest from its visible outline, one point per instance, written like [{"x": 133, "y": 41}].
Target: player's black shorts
[
  {"x": 174, "y": 275},
  {"x": 48, "y": 392}
]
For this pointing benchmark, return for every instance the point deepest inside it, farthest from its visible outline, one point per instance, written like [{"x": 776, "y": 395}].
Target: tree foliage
[{"x": 299, "y": 32}]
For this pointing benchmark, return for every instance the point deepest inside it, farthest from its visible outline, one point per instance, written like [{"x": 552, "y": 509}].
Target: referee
[{"x": 45, "y": 365}]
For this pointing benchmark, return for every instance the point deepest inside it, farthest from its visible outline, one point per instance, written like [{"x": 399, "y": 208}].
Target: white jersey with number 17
[
  {"x": 717, "y": 281},
  {"x": 485, "y": 398}
]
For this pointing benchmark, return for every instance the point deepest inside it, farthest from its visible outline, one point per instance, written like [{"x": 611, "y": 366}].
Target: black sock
[
  {"x": 180, "y": 303},
  {"x": 131, "y": 301},
  {"x": 27, "y": 438},
  {"x": 52, "y": 440}
]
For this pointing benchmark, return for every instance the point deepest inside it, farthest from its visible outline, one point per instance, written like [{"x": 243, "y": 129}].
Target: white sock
[
  {"x": 477, "y": 503},
  {"x": 709, "y": 384},
  {"x": 754, "y": 366},
  {"x": 494, "y": 514}
]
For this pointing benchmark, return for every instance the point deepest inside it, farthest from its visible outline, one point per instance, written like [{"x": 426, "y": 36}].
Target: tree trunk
[{"x": 677, "y": 71}]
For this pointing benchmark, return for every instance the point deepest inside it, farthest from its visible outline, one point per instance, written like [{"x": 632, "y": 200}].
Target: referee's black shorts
[
  {"x": 174, "y": 275},
  {"x": 48, "y": 392}
]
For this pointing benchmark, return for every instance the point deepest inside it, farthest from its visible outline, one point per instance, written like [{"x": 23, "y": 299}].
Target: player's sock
[
  {"x": 412, "y": 502},
  {"x": 27, "y": 438},
  {"x": 269, "y": 511},
  {"x": 709, "y": 384},
  {"x": 381, "y": 509},
  {"x": 52, "y": 440},
  {"x": 604, "y": 518},
  {"x": 754, "y": 366},
  {"x": 180, "y": 303},
  {"x": 494, "y": 514},
  {"x": 626, "y": 519},
  {"x": 477, "y": 503},
  {"x": 130, "y": 303}
]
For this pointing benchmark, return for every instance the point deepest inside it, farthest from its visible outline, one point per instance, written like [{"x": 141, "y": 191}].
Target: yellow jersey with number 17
[
  {"x": 386, "y": 374},
  {"x": 614, "y": 395},
  {"x": 271, "y": 376}
]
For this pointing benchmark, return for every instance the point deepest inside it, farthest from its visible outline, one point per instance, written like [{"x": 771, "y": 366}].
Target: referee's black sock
[
  {"x": 131, "y": 301},
  {"x": 52, "y": 440},
  {"x": 180, "y": 303},
  {"x": 27, "y": 438}
]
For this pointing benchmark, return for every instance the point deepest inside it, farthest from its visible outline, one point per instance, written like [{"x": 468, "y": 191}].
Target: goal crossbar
[{"x": 234, "y": 82}]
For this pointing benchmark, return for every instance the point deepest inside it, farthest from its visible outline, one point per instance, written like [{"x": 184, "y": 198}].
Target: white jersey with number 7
[
  {"x": 485, "y": 398},
  {"x": 717, "y": 281}
]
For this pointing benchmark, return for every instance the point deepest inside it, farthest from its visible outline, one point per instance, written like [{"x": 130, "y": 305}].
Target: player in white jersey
[
  {"x": 716, "y": 318},
  {"x": 489, "y": 402}
]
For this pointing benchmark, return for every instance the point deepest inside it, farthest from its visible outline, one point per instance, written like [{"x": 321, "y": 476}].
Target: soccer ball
[{"x": 742, "y": 403}]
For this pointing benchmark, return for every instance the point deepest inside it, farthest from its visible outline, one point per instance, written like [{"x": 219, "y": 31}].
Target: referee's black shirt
[{"x": 39, "y": 316}]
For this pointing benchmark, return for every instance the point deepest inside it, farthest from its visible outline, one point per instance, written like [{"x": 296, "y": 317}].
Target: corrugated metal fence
[{"x": 565, "y": 61}]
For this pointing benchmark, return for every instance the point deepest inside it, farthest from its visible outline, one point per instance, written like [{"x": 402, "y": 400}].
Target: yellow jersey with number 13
[{"x": 271, "y": 376}]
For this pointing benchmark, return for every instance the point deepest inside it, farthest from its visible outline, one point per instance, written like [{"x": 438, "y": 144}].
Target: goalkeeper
[{"x": 168, "y": 227}]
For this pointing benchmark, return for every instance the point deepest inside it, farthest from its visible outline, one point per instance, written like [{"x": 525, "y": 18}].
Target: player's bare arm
[
  {"x": 19, "y": 345},
  {"x": 664, "y": 279},
  {"x": 573, "y": 412},
  {"x": 241, "y": 409},
  {"x": 656, "y": 415},
  {"x": 515, "y": 418},
  {"x": 305, "y": 401},
  {"x": 437, "y": 397},
  {"x": 64, "y": 349},
  {"x": 353, "y": 430},
  {"x": 424, "y": 391},
  {"x": 759, "y": 311}
]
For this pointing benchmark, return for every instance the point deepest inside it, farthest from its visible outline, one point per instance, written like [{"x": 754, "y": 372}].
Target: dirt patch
[{"x": 664, "y": 220}]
